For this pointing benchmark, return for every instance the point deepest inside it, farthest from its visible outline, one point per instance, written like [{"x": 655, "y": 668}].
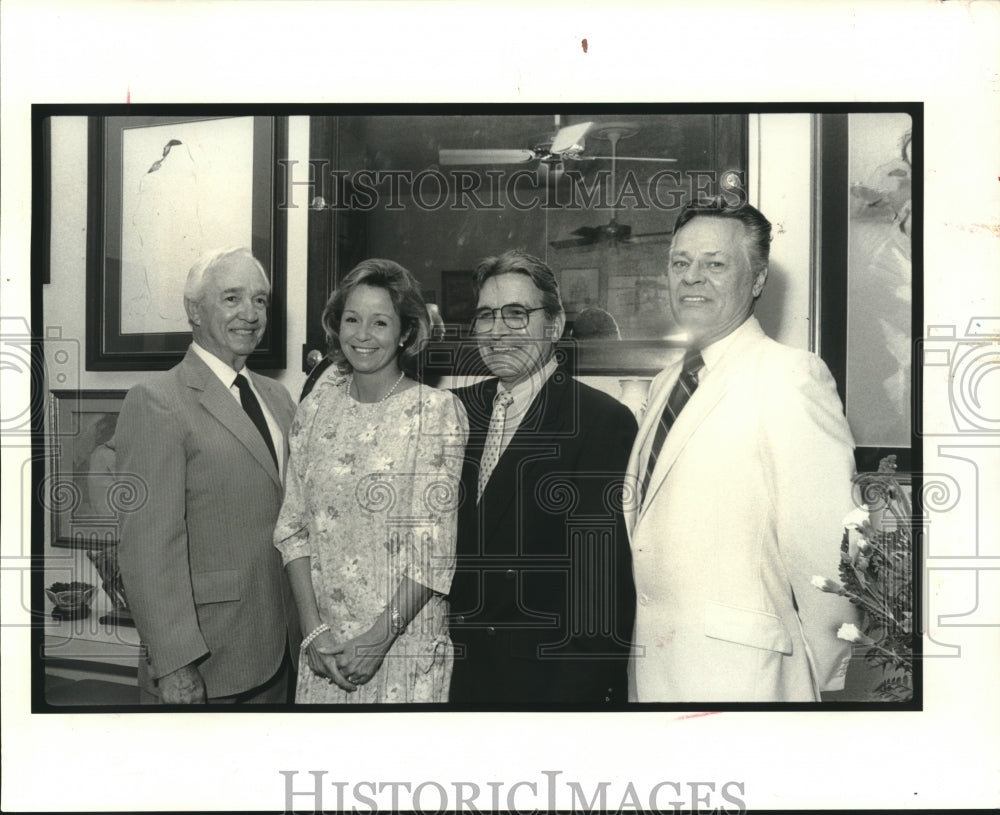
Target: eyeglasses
[{"x": 514, "y": 316}]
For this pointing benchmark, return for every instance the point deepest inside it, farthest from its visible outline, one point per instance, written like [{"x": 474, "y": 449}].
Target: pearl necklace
[{"x": 392, "y": 390}]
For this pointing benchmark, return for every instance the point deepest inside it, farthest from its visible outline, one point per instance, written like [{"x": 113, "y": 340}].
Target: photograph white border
[{"x": 940, "y": 53}]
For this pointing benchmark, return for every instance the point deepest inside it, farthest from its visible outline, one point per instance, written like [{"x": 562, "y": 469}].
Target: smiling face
[
  {"x": 370, "y": 331},
  {"x": 229, "y": 318},
  {"x": 514, "y": 354},
  {"x": 712, "y": 286}
]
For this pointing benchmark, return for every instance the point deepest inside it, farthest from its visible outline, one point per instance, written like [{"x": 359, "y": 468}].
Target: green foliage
[{"x": 876, "y": 571}]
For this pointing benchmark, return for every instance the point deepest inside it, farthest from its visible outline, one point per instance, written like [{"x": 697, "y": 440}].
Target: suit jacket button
[
  {"x": 491, "y": 631},
  {"x": 460, "y": 619},
  {"x": 510, "y": 574}
]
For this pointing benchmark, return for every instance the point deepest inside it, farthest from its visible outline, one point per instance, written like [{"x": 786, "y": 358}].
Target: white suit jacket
[{"x": 746, "y": 503}]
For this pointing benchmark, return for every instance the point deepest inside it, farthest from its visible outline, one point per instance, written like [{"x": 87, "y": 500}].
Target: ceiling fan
[
  {"x": 613, "y": 233},
  {"x": 567, "y": 142}
]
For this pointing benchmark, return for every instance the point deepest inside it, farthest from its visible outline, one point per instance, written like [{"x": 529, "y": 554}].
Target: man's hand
[{"x": 182, "y": 687}]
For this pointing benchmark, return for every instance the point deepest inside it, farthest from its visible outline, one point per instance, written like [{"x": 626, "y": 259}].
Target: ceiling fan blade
[
  {"x": 651, "y": 237},
  {"x": 569, "y": 141},
  {"x": 571, "y": 243},
  {"x": 448, "y": 157},
  {"x": 630, "y": 158}
]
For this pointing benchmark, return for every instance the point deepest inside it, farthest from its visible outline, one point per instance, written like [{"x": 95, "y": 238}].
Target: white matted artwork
[{"x": 185, "y": 189}]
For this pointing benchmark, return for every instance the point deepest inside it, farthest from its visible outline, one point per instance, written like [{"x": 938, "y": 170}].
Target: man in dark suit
[
  {"x": 542, "y": 600},
  {"x": 207, "y": 438}
]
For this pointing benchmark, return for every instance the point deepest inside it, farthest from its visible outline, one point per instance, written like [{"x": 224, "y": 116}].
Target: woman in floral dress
[{"x": 367, "y": 529}]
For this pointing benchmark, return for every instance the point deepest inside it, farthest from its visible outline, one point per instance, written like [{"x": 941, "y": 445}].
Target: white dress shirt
[{"x": 227, "y": 376}]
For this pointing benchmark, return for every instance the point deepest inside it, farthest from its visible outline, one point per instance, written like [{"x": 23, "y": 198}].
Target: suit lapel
[
  {"x": 537, "y": 431},
  {"x": 218, "y": 401},
  {"x": 650, "y": 419},
  {"x": 704, "y": 400},
  {"x": 710, "y": 391}
]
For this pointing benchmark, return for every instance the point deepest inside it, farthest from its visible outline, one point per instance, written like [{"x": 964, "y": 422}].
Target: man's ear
[
  {"x": 758, "y": 282},
  {"x": 193, "y": 311},
  {"x": 558, "y": 326}
]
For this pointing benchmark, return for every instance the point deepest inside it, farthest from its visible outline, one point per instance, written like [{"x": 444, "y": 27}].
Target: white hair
[{"x": 196, "y": 276}]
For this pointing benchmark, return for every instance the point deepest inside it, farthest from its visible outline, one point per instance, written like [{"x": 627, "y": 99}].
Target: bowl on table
[{"x": 71, "y": 601}]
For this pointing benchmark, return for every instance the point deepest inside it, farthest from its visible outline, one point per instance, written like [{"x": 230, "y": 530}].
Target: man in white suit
[
  {"x": 204, "y": 582},
  {"x": 742, "y": 468}
]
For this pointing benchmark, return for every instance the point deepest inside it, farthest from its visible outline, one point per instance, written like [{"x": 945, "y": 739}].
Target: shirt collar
[
  {"x": 226, "y": 374},
  {"x": 713, "y": 353},
  {"x": 524, "y": 393}
]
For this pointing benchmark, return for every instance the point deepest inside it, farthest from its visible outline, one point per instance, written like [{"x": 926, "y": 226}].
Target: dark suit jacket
[
  {"x": 543, "y": 599},
  {"x": 203, "y": 579}
]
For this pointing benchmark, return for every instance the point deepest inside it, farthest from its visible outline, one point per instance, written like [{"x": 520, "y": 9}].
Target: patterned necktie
[
  {"x": 685, "y": 385},
  {"x": 494, "y": 438},
  {"x": 253, "y": 409}
]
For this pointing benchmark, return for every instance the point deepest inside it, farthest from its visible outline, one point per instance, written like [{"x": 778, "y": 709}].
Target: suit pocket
[
  {"x": 216, "y": 587},
  {"x": 746, "y": 626}
]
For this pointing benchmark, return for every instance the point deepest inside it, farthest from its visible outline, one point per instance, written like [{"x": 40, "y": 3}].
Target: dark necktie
[
  {"x": 685, "y": 385},
  {"x": 253, "y": 409}
]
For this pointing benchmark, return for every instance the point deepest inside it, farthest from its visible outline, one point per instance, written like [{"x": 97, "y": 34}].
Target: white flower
[
  {"x": 850, "y": 632},
  {"x": 855, "y": 518},
  {"x": 856, "y": 543},
  {"x": 826, "y": 584}
]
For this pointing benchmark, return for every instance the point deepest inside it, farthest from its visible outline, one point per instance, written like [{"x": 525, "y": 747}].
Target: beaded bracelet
[{"x": 319, "y": 629}]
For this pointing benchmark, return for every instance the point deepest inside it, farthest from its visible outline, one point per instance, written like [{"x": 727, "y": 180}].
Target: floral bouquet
[{"x": 876, "y": 573}]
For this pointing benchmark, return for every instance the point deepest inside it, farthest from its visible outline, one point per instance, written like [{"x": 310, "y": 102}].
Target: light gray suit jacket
[
  {"x": 745, "y": 505},
  {"x": 203, "y": 579}
]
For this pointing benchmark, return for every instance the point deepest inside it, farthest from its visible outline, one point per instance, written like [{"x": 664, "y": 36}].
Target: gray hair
[
  {"x": 196, "y": 276},
  {"x": 514, "y": 261}
]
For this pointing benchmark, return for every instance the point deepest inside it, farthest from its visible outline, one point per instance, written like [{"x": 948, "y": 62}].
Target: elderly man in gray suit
[{"x": 207, "y": 438}]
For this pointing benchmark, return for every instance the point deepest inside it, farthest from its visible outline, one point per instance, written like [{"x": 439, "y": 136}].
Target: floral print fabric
[{"x": 371, "y": 495}]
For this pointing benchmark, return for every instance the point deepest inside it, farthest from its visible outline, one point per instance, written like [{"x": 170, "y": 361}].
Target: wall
[{"x": 780, "y": 186}]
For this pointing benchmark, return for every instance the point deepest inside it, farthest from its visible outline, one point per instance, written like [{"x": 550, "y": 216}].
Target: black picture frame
[
  {"x": 81, "y": 490},
  {"x": 108, "y": 346}
]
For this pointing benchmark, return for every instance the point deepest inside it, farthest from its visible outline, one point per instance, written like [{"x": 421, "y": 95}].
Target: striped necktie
[
  {"x": 494, "y": 439},
  {"x": 685, "y": 385}
]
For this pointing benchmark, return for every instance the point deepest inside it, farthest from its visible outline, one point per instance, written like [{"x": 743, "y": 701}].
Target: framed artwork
[
  {"x": 162, "y": 191},
  {"x": 870, "y": 242},
  {"x": 603, "y": 228},
  {"x": 81, "y": 489}
]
